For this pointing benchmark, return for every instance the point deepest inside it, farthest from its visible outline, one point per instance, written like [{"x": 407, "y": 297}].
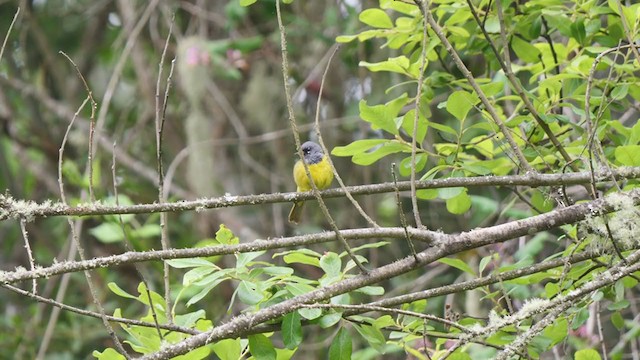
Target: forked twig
[
  {"x": 161, "y": 107},
  {"x": 326, "y": 150}
]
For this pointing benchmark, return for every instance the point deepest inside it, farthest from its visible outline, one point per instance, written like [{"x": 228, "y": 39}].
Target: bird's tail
[{"x": 296, "y": 212}]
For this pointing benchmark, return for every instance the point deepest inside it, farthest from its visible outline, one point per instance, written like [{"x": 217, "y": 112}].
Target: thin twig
[
  {"x": 326, "y": 150},
  {"x": 96, "y": 315},
  {"x": 62, "y": 290},
  {"x": 296, "y": 135},
  {"x": 423, "y": 61},
  {"x": 603, "y": 344},
  {"x": 92, "y": 125},
  {"x": 506, "y": 66},
  {"x": 403, "y": 220},
  {"x": 6, "y": 37},
  {"x": 627, "y": 31},
  {"x": 362, "y": 308},
  {"x": 161, "y": 108},
  {"x": 122, "y": 60},
  {"x": 484, "y": 281},
  {"x": 32, "y": 264},
  {"x": 78, "y": 247},
  {"x": 129, "y": 246}
]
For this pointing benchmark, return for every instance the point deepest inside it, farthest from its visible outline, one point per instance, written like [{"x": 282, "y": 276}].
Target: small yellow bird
[{"x": 320, "y": 171}]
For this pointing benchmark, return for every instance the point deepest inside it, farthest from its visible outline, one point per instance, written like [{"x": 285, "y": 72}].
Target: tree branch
[
  {"x": 11, "y": 208},
  {"x": 443, "y": 246}
]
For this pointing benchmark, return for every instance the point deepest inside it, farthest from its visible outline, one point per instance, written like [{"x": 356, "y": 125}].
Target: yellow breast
[{"x": 320, "y": 172}]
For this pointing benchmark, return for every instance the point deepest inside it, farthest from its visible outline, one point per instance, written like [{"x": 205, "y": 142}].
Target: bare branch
[{"x": 11, "y": 208}]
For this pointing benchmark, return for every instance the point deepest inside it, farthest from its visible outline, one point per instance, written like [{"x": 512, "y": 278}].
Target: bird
[{"x": 320, "y": 170}]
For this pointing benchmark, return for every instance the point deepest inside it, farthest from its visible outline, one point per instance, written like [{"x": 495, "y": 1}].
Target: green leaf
[
  {"x": 297, "y": 289},
  {"x": 371, "y": 290},
  {"x": 108, "y": 233},
  {"x": 483, "y": 145},
  {"x": 310, "y": 314},
  {"x": 208, "y": 284},
  {"x": 147, "y": 231},
  {"x": 341, "y": 346},
  {"x": 357, "y": 147},
  {"x": 476, "y": 169},
  {"x": 459, "y": 204},
  {"x": 329, "y": 320},
  {"x": 390, "y": 147},
  {"x": 493, "y": 88},
  {"x": 427, "y": 194},
  {"x": 108, "y": 354},
  {"x": 579, "y": 318},
  {"x": 248, "y": 293},
  {"x": 247, "y": 2},
  {"x": 617, "y": 320},
  {"x": 628, "y": 282},
  {"x": 541, "y": 202},
  {"x": 331, "y": 264},
  {"x": 278, "y": 270},
  {"x": 156, "y": 299},
  {"x": 119, "y": 291},
  {"x": 383, "y": 116},
  {"x": 374, "y": 245},
  {"x": 443, "y": 128},
  {"x": 620, "y": 92},
  {"x": 587, "y": 354},
  {"x": 292, "y": 330},
  {"x": 551, "y": 289},
  {"x": 376, "y": 18},
  {"x": 188, "y": 320},
  {"x": 225, "y": 237},
  {"x": 123, "y": 200},
  {"x": 373, "y": 336},
  {"x": 618, "y": 305},
  {"x": 483, "y": 263},
  {"x": 407, "y": 124},
  {"x": 190, "y": 262},
  {"x": 245, "y": 258},
  {"x": 196, "y": 274},
  {"x": 460, "y": 102},
  {"x": 459, "y": 355},
  {"x": 458, "y": 264},
  {"x": 300, "y": 258},
  {"x": 634, "y": 134},
  {"x": 578, "y": 31},
  {"x": 405, "y": 164},
  {"x": 400, "y": 64},
  {"x": 628, "y": 155},
  {"x": 399, "y": 6},
  {"x": 557, "y": 332},
  {"x": 449, "y": 193},
  {"x": 525, "y": 51},
  {"x": 261, "y": 347},
  {"x": 228, "y": 349},
  {"x": 346, "y": 38}
]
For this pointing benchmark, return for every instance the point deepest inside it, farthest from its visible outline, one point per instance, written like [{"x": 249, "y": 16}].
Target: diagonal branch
[
  {"x": 483, "y": 98},
  {"x": 443, "y": 246}
]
